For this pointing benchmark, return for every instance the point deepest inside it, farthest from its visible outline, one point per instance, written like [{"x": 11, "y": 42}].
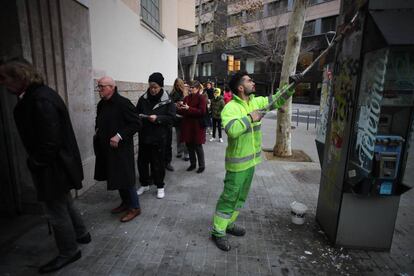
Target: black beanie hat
[{"x": 157, "y": 78}]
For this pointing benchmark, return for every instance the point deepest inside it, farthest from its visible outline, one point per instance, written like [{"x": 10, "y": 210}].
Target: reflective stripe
[
  {"x": 255, "y": 128},
  {"x": 242, "y": 159},
  {"x": 247, "y": 123},
  {"x": 229, "y": 124},
  {"x": 222, "y": 215},
  {"x": 244, "y": 120}
]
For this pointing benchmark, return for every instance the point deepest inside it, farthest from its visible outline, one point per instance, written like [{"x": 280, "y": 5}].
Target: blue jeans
[
  {"x": 129, "y": 197},
  {"x": 67, "y": 224}
]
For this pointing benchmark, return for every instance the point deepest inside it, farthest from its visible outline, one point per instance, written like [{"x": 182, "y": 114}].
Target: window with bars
[
  {"x": 253, "y": 38},
  {"x": 207, "y": 47},
  {"x": 150, "y": 14},
  {"x": 191, "y": 69},
  {"x": 207, "y": 69},
  {"x": 277, "y": 7},
  {"x": 182, "y": 51},
  {"x": 309, "y": 28},
  {"x": 207, "y": 27},
  {"x": 328, "y": 24},
  {"x": 252, "y": 15},
  {"x": 192, "y": 50},
  {"x": 235, "y": 19},
  {"x": 234, "y": 42}
]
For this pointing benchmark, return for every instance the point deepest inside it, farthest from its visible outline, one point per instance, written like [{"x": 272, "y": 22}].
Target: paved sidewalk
[{"x": 171, "y": 237}]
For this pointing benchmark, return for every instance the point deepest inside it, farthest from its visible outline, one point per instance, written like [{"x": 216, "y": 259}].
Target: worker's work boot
[
  {"x": 236, "y": 230},
  {"x": 221, "y": 242}
]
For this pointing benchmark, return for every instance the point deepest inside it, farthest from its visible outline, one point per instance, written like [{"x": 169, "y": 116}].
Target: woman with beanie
[
  {"x": 193, "y": 131},
  {"x": 157, "y": 112}
]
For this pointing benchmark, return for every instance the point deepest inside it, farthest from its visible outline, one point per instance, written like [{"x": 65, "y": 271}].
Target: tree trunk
[
  {"x": 283, "y": 146},
  {"x": 199, "y": 33},
  {"x": 181, "y": 68}
]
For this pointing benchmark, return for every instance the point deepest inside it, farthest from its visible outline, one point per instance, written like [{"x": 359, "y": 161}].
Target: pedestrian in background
[
  {"x": 227, "y": 96},
  {"x": 158, "y": 113},
  {"x": 54, "y": 161},
  {"x": 179, "y": 92},
  {"x": 193, "y": 131},
  {"x": 208, "y": 91},
  {"x": 116, "y": 124},
  {"x": 217, "y": 105}
]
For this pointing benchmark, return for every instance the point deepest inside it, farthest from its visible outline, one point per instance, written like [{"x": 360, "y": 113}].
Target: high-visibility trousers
[{"x": 232, "y": 199}]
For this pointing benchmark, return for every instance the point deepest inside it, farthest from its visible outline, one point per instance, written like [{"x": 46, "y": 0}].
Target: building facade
[
  {"x": 249, "y": 34},
  {"x": 73, "y": 43}
]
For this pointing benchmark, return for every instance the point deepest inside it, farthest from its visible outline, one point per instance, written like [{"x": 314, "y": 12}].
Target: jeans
[
  {"x": 151, "y": 158},
  {"x": 216, "y": 124},
  {"x": 181, "y": 148},
  {"x": 193, "y": 150},
  {"x": 129, "y": 197},
  {"x": 67, "y": 224}
]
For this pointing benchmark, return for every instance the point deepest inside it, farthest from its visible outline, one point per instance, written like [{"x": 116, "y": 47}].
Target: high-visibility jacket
[{"x": 244, "y": 136}]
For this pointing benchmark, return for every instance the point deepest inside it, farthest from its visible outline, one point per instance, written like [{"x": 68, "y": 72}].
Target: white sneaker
[
  {"x": 212, "y": 139},
  {"x": 221, "y": 140},
  {"x": 160, "y": 193},
  {"x": 143, "y": 189}
]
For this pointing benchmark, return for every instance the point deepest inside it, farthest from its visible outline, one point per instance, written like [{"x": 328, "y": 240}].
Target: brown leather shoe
[
  {"x": 121, "y": 208},
  {"x": 132, "y": 213}
]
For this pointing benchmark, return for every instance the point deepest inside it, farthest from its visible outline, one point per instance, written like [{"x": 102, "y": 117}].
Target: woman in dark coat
[
  {"x": 116, "y": 124},
  {"x": 177, "y": 95},
  {"x": 193, "y": 131}
]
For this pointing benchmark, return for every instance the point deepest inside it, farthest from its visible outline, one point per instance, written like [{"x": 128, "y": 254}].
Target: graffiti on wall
[
  {"x": 326, "y": 93},
  {"x": 371, "y": 93},
  {"x": 345, "y": 77}
]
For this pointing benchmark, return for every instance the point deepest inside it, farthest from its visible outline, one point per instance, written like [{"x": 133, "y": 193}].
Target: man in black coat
[
  {"x": 158, "y": 113},
  {"x": 116, "y": 124},
  {"x": 53, "y": 156}
]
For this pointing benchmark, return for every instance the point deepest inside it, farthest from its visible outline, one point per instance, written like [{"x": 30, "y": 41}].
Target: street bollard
[
  {"x": 307, "y": 123},
  {"x": 316, "y": 117},
  {"x": 297, "y": 117}
]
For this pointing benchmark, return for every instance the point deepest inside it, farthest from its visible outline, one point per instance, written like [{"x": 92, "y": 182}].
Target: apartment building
[
  {"x": 73, "y": 43},
  {"x": 245, "y": 32}
]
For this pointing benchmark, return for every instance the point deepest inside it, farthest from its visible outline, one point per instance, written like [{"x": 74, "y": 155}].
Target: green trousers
[{"x": 236, "y": 189}]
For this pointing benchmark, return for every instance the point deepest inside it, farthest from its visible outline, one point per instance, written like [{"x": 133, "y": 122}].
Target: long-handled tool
[{"x": 297, "y": 78}]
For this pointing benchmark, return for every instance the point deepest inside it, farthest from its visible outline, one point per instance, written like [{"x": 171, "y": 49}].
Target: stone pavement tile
[
  {"x": 209, "y": 265},
  {"x": 231, "y": 264},
  {"x": 220, "y": 268},
  {"x": 171, "y": 264},
  {"x": 248, "y": 265},
  {"x": 117, "y": 271}
]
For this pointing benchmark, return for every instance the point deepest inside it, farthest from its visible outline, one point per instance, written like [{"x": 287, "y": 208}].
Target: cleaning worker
[{"x": 241, "y": 120}]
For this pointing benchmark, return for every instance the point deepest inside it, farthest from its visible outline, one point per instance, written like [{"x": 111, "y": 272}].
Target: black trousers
[
  {"x": 151, "y": 165},
  {"x": 67, "y": 224},
  {"x": 216, "y": 124},
  {"x": 168, "y": 147},
  {"x": 193, "y": 150}
]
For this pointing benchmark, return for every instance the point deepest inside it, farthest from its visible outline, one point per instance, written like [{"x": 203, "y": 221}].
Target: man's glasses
[{"x": 100, "y": 86}]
